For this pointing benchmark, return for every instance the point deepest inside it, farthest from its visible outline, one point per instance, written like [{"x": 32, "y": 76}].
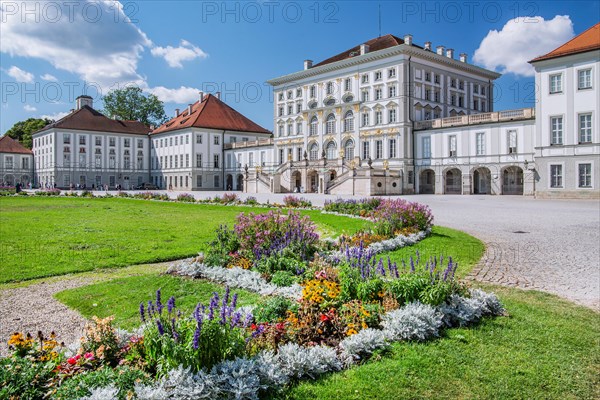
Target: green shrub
[
  {"x": 271, "y": 309},
  {"x": 279, "y": 263},
  {"x": 283, "y": 278},
  {"x": 22, "y": 378}
]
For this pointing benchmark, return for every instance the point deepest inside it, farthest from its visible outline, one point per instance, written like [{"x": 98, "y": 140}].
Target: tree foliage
[
  {"x": 23, "y": 130},
  {"x": 130, "y": 103}
]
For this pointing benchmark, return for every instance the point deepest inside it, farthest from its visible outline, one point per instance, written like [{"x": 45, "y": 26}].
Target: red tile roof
[
  {"x": 379, "y": 43},
  {"x": 211, "y": 113},
  {"x": 586, "y": 41},
  {"x": 10, "y": 145},
  {"x": 88, "y": 119}
]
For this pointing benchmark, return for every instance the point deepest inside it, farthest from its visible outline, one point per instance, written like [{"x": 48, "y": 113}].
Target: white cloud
[
  {"x": 29, "y": 108},
  {"x": 175, "y": 55},
  {"x": 19, "y": 75},
  {"x": 105, "y": 52},
  {"x": 49, "y": 78},
  {"x": 181, "y": 95},
  {"x": 521, "y": 40},
  {"x": 55, "y": 116}
]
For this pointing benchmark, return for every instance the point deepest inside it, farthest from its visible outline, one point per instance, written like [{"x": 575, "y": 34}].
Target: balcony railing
[
  {"x": 254, "y": 143},
  {"x": 474, "y": 119}
]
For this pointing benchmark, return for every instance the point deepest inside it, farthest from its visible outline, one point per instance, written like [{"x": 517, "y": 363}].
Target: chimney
[
  {"x": 308, "y": 64},
  {"x": 428, "y": 46},
  {"x": 440, "y": 50},
  {"x": 450, "y": 53},
  {"x": 408, "y": 39},
  {"x": 189, "y": 109},
  {"x": 201, "y": 93},
  {"x": 218, "y": 95},
  {"x": 463, "y": 57},
  {"x": 364, "y": 49},
  {"x": 84, "y": 100},
  {"x": 177, "y": 112}
]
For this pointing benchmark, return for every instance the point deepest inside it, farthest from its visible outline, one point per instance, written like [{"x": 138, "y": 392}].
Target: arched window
[
  {"x": 314, "y": 152},
  {"x": 314, "y": 122},
  {"x": 349, "y": 149},
  {"x": 331, "y": 151},
  {"x": 349, "y": 121},
  {"x": 330, "y": 124}
]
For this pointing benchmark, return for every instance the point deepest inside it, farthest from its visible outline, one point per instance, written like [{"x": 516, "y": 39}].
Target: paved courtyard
[{"x": 549, "y": 245}]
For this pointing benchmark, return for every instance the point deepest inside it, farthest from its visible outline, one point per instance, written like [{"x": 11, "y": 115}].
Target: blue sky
[{"x": 50, "y": 50}]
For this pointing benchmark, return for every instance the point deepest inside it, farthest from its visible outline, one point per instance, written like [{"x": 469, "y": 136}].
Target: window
[
  {"x": 312, "y": 91},
  {"x": 24, "y": 163},
  {"x": 453, "y": 100},
  {"x": 331, "y": 151},
  {"x": 366, "y": 151},
  {"x": 347, "y": 86},
  {"x": 585, "y": 176},
  {"x": 216, "y": 140},
  {"x": 216, "y": 180},
  {"x": 378, "y": 149},
  {"x": 475, "y": 104},
  {"x": 349, "y": 149},
  {"x": 98, "y": 140},
  {"x": 349, "y": 121},
  {"x": 461, "y": 101},
  {"x": 251, "y": 159},
  {"x": 187, "y": 160},
  {"x": 181, "y": 160},
  {"x": 436, "y": 97},
  {"x": 480, "y": 144},
  {"x": 428, "y": 76},
  {"x": 82, "y": 140},
  {"x": 364, "y": 95},
  {"x": 98, "y": 160},
  {"x": 392, "y": 91},
  {"x": 187, "y": 141},
  {"x": 584, "y": 79},
  {"x": 314, "y": 152},
  {"x": 426, "y": 141},
  {"x": 140, "y": 143},
  {"x": 453, "y": 83},
  {"x": 392, "y": 148},
  {"x": 198, "y": 139},
  {"x": 176, "y": 161},
  {"x": 198, "y": 160},
  {"x": 391, "y": 73},
  {"x": 82, "y": 160},
  {"x": 330, "y": 124},
  {"x": 555, "y": 83},
  {"x": 280, "y": 112},
  {"x": 391, "y": 116},
  {"x": 427, "y": 94},
  {"x": 556, "y": 176},
  {"x": 452, "y": 145},
  {"x": 378, "y": 75},
  {"x": 298, "y": 108},
  {"x": 436, "y": 79},
  {"x": 461, "y": 85},
  {"x": 556, "y": 129},
  {"x": 585, "y": 128},
  {"x": 290, "y": 109},
  {"x": 365, "y": 78},
  {"x": 483, "y": 90},
  {"x": 313, "y": 126},
  {"x": 476, "y": 88},
  {"x": 216, "y": 160},
  {"x": 199, "y": 181},
  {"x": 67, "y": 160},
  {"x": 298, "y": 128},
  {"x": 378, "y": 117},
  {"x": 365, "y": 119},
  {"x": 126, "y": 142},
  {"x": 171, "y": 161},
  {"x": 290, "y": 130},
  {"x": 298, "y": 92},
  {"x": 280, "y": 156},
  {"x": 378, "y": 94},
  {"x": 280, "y": 130},
  {"x": 289, "y": 94},
  {"x": 9, "y": 162},
  {"x": 280, "y": 97},
  {"x": 329, "y": 88},
  {"x": 512, "y": 142},
  {"x": 66, "y": 138}
]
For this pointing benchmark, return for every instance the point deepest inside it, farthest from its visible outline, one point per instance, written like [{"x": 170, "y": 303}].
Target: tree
[
  {"x": 23, "y": 130},
  {"x": 131, "y": 103}
]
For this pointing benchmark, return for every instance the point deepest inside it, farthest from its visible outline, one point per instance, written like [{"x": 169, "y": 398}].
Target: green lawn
[
  {"x": 547, "y": 349},
  {"x": 42, "y": 237},
  {"x": 121, "y": 297}
]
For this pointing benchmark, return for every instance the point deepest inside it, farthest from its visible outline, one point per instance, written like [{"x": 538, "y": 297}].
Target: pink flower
[{"x": 89, "y": 356}]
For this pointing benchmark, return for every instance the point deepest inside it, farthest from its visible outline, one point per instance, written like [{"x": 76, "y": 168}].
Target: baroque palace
[{"x": 388, "y": 116}]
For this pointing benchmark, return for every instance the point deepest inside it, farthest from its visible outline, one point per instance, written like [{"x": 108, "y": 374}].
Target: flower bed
[{"x": 327, "y": 305}]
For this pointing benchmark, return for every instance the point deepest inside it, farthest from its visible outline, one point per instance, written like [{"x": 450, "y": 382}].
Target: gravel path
[{"x": 34, "y": 308}]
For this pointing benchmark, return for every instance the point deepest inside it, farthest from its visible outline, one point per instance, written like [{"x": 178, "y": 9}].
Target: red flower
[
  {"x": 72, "y": 361},
  {"x": 253, "y": 327},
  {"x": 280, "y": 326},
  {"x": 324, "y": 317},
  {"x": 77, "y": 357}
]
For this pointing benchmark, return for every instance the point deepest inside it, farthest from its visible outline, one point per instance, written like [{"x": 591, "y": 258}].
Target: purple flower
[
  {"x": 142, "y": 313},
  {"x": 159, "y": 306},
  {"x": 171, "y": 304},
  {"x": 161, "y": 329},
  {"x": 196, "y": 340},
  {"x": 234, "y": 301}
]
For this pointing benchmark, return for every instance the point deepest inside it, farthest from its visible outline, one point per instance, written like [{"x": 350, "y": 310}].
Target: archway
[
  {"x": 453, "y": 181},
  {"x": 229, "y": 182},
  {"x": 512, "y": 180},
  {"x": 312, "y": 182},
  {"x": 296, "y": 181},
  {"x": 427, "y": 182},
  {"x": 482, "y": 181},
  {"x": 9, "y": 180},
  {"x": 240, "y": 182},
  {"x": 25, "y": 180}
]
